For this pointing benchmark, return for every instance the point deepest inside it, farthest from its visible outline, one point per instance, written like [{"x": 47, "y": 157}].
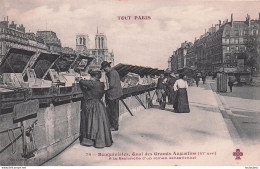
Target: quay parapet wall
[{"x": 57, "y": 127}]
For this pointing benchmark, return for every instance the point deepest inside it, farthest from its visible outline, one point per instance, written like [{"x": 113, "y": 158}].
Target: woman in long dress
[
  {"x": 182, "y": 103},
  {"x": 94, "y": 124}
]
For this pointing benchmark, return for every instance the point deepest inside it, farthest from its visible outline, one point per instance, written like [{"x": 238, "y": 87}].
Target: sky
[{"x": 138, "y": 42}]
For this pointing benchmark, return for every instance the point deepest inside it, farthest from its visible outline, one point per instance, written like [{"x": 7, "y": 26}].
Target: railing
[{"x": 56, "y": 94}]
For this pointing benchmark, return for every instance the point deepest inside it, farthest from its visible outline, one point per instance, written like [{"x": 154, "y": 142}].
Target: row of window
[
  {"x": 22, "y": 40},
  {"x": 12, "y": 32},
  {"x": 243, "y": 32},
  {"x": 236, "y": 48},
  {"x": 233, "y": 40}
]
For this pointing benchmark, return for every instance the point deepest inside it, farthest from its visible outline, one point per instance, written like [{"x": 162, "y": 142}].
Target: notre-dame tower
[
  {"x": 82, "y": 43},
  {"x": 99, "y": 54},
  {"x": 100, "y": 41}
]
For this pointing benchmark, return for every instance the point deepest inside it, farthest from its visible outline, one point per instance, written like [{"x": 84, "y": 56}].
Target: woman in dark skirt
[
  {"x": 182, "y": 104},
  {"x": 94, "y": 123}
]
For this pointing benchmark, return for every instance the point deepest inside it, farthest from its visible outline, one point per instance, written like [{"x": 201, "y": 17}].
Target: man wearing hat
[
  {"x": 161, "y": 91},
  {"x": 113, "y": 93},
  {"x": 167, "y": 73}
]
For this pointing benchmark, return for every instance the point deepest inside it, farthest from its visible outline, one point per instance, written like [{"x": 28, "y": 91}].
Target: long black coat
[{"x": 115, "y": 90}]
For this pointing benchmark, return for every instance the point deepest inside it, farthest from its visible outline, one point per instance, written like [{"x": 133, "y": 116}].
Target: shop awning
[{"x": 123, "y": 69}]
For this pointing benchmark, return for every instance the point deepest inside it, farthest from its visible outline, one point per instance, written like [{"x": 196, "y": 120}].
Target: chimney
[
  {"x": 217, "y": 27},
  {"x": 248, "y": 19},
  {"x": 231, "y": 20},
  {"x": 7, "y": 18},
  {"x": 219, "y": 21},
  {"x": 259, "y": 17},
  {"x": 12, "y": 25},
  {"x": 21, "y": 28}
]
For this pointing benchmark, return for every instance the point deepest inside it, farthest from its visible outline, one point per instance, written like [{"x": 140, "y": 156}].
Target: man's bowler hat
[{"x": 105, "y": 64}]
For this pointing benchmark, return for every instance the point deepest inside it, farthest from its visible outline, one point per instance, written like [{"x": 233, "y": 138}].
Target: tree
[{"x": 252, "y": 54}]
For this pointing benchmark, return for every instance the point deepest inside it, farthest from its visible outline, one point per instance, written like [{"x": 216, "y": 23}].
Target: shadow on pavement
[
  {"x": 209, "y": 105},
  {"x": 206, "y": 107},
  {"x": 166, "y": 109},
  {"x": 200, "y": 132},
  {"x": 245, "y": 112}
]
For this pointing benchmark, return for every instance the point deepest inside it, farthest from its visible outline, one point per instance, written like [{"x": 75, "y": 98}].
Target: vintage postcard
[{"x": 129, "y": 83}]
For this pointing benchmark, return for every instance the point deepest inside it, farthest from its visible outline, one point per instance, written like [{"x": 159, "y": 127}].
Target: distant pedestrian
[
  {"x": 165, "y": 82},
  {"x": 182, "y": 103},
  {"x": 203, "y": 78},
  {"x": 94, "y": 122},
  {"x": 113, "y": 94},
  {"x": 197, "y": 79},
  {"x": 230, "y": 83}
]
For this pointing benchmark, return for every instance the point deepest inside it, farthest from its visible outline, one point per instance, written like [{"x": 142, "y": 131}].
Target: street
[
  {"x": 244, "y": 103},
  {"x": 152, "y": 131}
]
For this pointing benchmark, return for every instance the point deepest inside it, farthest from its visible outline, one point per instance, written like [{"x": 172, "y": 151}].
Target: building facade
[
  {"x": 52, "y": 41},
  {"x": 220, "y": 46},
  {"x": 179, "y": 58},
  {"x": 15, "y": 36},
  {"x": 191, "y": 58}
]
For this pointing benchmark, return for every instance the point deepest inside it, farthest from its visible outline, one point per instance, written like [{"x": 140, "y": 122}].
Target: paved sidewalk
[
  {"x": 243, "y": 108},
  {"x": 154, "y": 130}
]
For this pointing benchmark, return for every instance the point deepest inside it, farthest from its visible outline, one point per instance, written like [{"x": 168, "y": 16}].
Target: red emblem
[{"x": 238, "y": 154}]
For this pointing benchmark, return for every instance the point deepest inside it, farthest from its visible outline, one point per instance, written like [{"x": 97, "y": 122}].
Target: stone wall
[{"x": 57, "y": 127}]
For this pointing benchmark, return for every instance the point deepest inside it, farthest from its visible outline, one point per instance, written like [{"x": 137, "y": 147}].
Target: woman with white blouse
[{"x": 182, "y": 104}]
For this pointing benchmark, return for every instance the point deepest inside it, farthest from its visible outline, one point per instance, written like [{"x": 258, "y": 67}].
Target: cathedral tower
[
  {"x": 100, "y": 41},
  {"x": 82, "y": 43}
]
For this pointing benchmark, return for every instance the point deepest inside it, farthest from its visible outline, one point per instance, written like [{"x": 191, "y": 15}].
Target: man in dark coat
[
  {"x": 203, "y": 78},
  {"x": 231, "y": 81},
  {"x": 161, "y": 91},
  {"x": 113, "y": 93},
  {"x": 197, "y": 79},
  {"x": 172, "y": 79}
]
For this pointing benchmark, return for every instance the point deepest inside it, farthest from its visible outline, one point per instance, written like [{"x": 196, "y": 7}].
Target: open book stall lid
[
  {"x": 81, "y": 62},
  {"x": 65, "y": 61},
  {"x": 43, "y": 63},
  {"x": 15, "y": 61},
  {"x": 123, "y": 69},
  {"x": 69, "y": 61}
]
